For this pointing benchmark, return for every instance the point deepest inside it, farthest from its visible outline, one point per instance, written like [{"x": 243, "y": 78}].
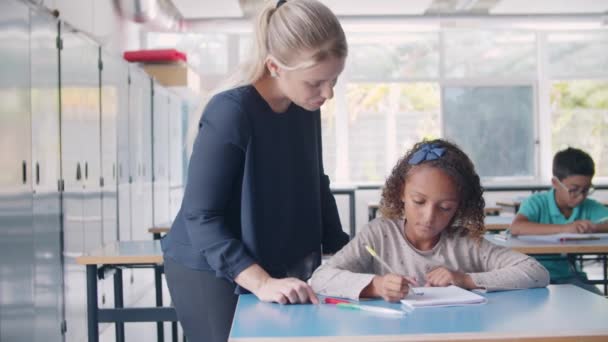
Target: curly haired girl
[{"x": 431, "y": 234}]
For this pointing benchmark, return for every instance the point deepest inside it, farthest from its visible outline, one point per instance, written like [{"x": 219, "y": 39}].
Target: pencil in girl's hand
[{"x": 373, "y": 253}]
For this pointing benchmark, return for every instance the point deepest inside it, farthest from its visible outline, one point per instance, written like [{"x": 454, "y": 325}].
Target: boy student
[{"x": 564, "y": 209}]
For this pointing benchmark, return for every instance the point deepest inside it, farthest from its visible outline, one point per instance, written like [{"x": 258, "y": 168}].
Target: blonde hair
[{"x": 284, "y": 33}]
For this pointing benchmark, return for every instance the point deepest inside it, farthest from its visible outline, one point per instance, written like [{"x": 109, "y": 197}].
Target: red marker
[{"x": 335, "y": 301}]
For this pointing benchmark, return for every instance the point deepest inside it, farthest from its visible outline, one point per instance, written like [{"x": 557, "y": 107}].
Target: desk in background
[
  {"x": 109, "y": 260},
  {"x": 526, "y": 315},
  {"x": 497, "y": 223},
  {"x": 350, "y": 192},
  {"x": 572, "y": 248}
]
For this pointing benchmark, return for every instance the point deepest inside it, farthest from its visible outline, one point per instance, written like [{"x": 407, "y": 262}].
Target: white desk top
[{"x": 124, "y": 252}]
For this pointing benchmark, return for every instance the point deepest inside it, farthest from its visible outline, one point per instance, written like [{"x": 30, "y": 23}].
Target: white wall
[{"x": 98, "y": 19}]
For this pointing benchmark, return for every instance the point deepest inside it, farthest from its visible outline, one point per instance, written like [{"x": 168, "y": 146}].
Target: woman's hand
[{"x": 286, "y": 291}]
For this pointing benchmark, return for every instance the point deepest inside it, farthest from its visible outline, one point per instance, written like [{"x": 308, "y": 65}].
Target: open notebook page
[{"x": 442, "y": 296}]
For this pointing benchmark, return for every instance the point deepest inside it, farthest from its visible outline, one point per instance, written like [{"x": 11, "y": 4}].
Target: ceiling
[{"x": 200, "y": 9}]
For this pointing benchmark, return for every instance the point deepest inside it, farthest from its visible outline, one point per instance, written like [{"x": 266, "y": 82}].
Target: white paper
[
  {"x": 442, "y": 296},
  {"x": 562, "y": 236}
]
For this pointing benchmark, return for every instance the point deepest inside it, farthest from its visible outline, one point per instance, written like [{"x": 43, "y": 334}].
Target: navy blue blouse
[{"x": 256, "y": 190}]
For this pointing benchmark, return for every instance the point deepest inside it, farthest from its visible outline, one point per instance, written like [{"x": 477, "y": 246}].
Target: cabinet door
[
  {"x": 124, "y": 171},
  {"x": 160, "y": 142},
  {"x": 178, "y": 123},
  {"x": 80, "y": 166},
  {"x": 140, "y": 113},
  {"x": 16, "y": 232},
  {"x": 45, "y": 174},
  {"x": 113, "y": 109}
]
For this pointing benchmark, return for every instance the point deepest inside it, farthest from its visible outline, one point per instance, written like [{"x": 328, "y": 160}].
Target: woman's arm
[
  {"x": 348, "y": 272},
  {"x": 215, "y": 169}
]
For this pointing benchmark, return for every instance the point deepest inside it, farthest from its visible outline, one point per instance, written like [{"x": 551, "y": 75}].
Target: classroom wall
[{"x": 98, "y": 19}]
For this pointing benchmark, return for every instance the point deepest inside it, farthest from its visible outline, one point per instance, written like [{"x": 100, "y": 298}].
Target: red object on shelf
[{"x": 159, "y": 56}]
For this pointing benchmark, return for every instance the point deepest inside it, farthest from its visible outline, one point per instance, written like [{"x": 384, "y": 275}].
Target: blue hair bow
[{"x": 426, "y": 152}]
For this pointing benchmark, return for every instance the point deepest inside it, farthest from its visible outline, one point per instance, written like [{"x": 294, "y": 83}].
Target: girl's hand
[
  {"x": 441, "y": 276},
  {"x": 391, "y": 287},
  {"x": 286, "y": 291}
]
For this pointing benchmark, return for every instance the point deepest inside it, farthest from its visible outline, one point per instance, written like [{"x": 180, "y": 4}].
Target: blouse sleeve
[
  {"x": 216, "y": 163},
  {"x": 506, "y": 269},
  {"x": 349, "y": 271}
]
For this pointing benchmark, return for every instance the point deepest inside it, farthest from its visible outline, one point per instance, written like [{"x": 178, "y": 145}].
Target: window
[
  {"x": 579, "y": 113},
  {"x": 486, "y": 53},
  {"x": 398, "y": 56},
  {"x": 578, "y": 54},
  {"x": 384, "y": 120},
  {"x": 494, "y": 126}
]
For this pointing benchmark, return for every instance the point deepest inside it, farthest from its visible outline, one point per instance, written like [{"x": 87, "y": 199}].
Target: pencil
[{"x": 373, "y": 253}]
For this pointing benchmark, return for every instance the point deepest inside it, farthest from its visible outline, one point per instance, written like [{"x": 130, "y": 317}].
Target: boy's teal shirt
[{"x": 542, "y": 208}]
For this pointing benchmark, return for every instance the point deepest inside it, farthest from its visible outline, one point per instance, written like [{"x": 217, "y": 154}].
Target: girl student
[{"x": 430, "y": 234}]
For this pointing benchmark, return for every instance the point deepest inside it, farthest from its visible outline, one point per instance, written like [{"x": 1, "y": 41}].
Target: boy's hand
[
  {"x": 580, "y": 227},
  {"x": 391, "y": 287},
  {"x": 441, "y": 276}
]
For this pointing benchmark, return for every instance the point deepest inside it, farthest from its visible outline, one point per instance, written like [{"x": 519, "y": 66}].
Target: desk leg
[
  {"x": 92, "y": 308},
  {"x": 604, "y": 261},
  {"x": 118, "y": 303},
  {"x": 158, "y": 286},
  {"x": 351, "y": 207},
  {"x": 174, "y": 331}
]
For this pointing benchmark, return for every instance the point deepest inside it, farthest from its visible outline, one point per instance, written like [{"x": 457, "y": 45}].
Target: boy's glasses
[{"x": 574, "y": 193}]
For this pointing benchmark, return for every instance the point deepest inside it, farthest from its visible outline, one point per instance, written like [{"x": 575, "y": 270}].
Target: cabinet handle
[
  {"x": 86, "y": 170},
  {"x": 24, "y": 171},
  {"x": 37, "y": 173},
  {"x": 78, "y": 173}
]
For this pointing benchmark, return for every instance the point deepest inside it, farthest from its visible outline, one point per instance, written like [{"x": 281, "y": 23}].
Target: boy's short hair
[{"x": 571, "y": 162}]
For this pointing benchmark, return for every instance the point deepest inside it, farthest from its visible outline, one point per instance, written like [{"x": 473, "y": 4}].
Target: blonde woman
[{"x": 257, "y": 211}]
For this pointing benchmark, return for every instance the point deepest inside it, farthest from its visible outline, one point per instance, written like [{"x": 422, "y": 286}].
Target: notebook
[{"x": 442, "y": 296}]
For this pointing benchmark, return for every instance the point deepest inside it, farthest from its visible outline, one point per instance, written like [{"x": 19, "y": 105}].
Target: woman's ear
[{"x": 272, "y": 67}]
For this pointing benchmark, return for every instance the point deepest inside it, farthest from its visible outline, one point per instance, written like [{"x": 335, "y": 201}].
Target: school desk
[
  {"x": 350, "y": 192},
  {"x": 109, "y": 260},
  {"x": 558, "y": 312},
  {"x": 571, "y": 248},
  {"x": 494, "y": 223},
  {"x": 157, "y": 230}
]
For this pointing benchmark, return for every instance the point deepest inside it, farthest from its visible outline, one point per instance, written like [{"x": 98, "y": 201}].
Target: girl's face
[
  {"x": 430, "y": 199},
  {"x": 310, "y": 87}
]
